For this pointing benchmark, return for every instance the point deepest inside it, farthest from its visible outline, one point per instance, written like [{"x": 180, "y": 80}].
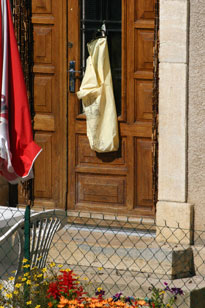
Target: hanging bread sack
[{"x": 98, "y": 101}]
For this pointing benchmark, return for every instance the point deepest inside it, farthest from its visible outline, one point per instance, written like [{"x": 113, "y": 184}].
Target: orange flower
[
  {"x": 63, "y": 302},
  {"x": 98, "y": 304},
  {"x": 104, "y": 302},
  {"x": 141, "y": 302},
  {"x": 50, "y": 304},
  {"x": 94, "y": 300},
  {"x": 88, "y": 299},
  {"x": 119, "y": 303},
  {"x": 72, "y": 302}
]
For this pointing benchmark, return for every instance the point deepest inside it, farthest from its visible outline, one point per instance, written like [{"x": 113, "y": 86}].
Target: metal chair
[{"x": 43, "y": 226}]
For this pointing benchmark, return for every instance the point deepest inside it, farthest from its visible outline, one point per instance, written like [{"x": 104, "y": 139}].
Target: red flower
[
  {"x": 65, "y": 285},
  {"x": 53, "y": 290}
]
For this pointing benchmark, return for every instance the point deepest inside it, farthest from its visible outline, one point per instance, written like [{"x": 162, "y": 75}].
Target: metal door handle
[{"x": 72, "y": 76}]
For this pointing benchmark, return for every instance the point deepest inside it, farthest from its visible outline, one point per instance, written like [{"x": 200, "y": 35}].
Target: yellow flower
[
  {"x": 99, "y": 289},
  {"x": 52, "y": 264},
  {"x": 44, "y": 270},
  {"x": 100, "y": 268},
  {"x": 11, "y": 278},
  {"x": 39, "y": 275},
  {"x": 26, "y": 266},
  {"x": 28, "y": 282},
  {"x": 60, "y": 265},
  {"x": 39, "y": 258},
  {"x": 18, "y": 285},
  {"x": 23, "y": 279},
  {"x": 1, "y": 306},
  {"x": 9, "y": 295},
  {"x": 16, "y": 292},
  {"x": 25, "y": 260},
  {"x": 85, "y": 278},
  {"x": 67, "y": 270},
  {"x": 29, "y": 303},
  {"x": 1, "y": 286},
  {"x": 26, "y": 274},
  {"x": 38, "y": 306}
]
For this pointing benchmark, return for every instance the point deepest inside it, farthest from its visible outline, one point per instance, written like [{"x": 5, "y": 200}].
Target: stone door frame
[{"x": 172, "y": 207}]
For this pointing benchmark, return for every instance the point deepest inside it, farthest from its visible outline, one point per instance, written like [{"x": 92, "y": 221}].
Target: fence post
[{"x": 27, "y": 250}]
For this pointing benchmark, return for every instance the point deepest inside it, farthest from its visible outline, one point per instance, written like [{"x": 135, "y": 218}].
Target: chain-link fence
[{"x": 118, "y": 254}]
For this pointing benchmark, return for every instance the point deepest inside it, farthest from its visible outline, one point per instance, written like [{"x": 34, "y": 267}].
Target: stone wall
[
  {"x": 196, "y": 112},
  {"x": 4, "y": 192}
]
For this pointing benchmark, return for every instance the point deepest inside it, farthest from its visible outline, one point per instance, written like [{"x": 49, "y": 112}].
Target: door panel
[
  {"x": 143, "y": 100},
  {"x": 43, "y": 93},
  {"x": 50, "y": 99},
  {"x": 85, "y": 156},
  {"x": 43, "y": 187},
  {"x": 118, "y": 182},
  {"x": 144, "y": 9},
  {"x": 143, "y": 179},
  {"x": 100, "y": 190}
]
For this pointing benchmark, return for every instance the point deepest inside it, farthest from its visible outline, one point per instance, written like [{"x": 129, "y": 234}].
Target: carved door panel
[
  {"x": 118, "y": 182},
  {"x": 49, "y": 35}
]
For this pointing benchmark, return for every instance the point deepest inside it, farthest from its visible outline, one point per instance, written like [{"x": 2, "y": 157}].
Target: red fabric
[{"x": 22, "y": 147}]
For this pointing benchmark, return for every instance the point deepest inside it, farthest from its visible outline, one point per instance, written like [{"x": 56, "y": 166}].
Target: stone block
[
  {"x": 172, "y": 132},
  {"x": 174, "y": 222},
  {"x": 173, "y": 31}
]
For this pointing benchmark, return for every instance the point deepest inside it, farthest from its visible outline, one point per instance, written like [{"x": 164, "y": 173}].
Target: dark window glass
[{"x": 93, "y": 14}]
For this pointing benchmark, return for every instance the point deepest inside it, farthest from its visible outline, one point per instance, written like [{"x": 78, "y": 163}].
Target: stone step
[{"x": 122, "y": 250}]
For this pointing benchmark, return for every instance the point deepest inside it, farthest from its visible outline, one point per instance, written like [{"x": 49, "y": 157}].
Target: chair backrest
[{"x": 43, "y": 226}]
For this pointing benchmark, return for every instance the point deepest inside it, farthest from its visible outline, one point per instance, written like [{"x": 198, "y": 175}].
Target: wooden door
[
  {"x": 50, "y": 101},
  {"x": 118, "y": 182}
]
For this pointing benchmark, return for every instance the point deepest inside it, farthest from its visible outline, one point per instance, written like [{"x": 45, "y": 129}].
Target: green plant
[
  {"x": 158, "y": 296},
  {"x": 58, "y": 287}
]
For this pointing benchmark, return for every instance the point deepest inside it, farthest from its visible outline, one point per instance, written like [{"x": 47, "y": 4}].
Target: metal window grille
[{"x": 93, "y": 15}]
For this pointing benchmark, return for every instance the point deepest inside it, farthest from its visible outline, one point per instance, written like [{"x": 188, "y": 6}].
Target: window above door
[{"x": 93, "y": 15}]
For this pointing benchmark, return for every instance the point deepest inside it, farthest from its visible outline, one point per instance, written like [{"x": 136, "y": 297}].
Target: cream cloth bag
[{"x": 96, "y": 92}]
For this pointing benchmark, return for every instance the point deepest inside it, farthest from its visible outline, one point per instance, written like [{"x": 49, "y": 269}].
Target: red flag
[{"x": 18, "y": 151}]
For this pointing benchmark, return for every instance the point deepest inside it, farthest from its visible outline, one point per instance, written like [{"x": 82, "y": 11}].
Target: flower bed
[{"x": 56, "y": 287}]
